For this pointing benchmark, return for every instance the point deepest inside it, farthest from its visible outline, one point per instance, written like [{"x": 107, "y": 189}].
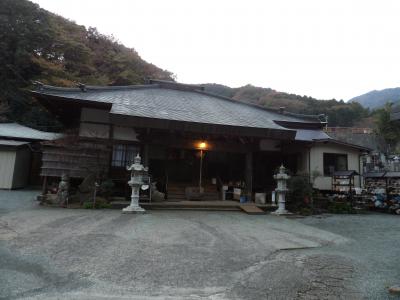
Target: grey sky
[{"x": 325, "y": 49}]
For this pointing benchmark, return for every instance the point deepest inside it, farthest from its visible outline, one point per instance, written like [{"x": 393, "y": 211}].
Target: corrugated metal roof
[
  {"x": 316, "y": 135},
  {"x": 392, "y": 174},
  {"x": 17, "y": 131},
  {"x": 331, "y": 140},
  {"x": 374, "y": 174},
  {"x": 310, "y": 135},
  {"x": 153, "y": 101},
  {"x": 345, "y": 173},
  {"x": 12, "y": 143}
]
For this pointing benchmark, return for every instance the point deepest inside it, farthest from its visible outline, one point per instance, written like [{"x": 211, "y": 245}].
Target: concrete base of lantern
[
  {"x": 133, "y": 210},
  {"x": 279, "y": 212}
]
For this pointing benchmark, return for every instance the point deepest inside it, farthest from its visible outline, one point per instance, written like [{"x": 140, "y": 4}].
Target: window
[
  {"x": 334, "y": 162},
  {"x": 123, "y": 155}
]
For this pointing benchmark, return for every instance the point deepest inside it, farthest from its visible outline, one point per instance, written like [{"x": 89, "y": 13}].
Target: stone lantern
[
  {"x": 139, "y": 174},
  {"x": 281, "y": 191}
]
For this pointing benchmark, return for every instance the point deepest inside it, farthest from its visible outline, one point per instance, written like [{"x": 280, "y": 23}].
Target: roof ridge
[
  {"x": 177, "y": 85},
  {"x": 150, "y": 83},
  {"x": 87, "y": 88}
]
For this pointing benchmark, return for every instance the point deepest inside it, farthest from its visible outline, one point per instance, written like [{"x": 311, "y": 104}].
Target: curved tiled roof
[{"x": 172, "y": 101}]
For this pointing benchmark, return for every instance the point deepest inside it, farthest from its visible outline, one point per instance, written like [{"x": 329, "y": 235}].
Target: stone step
[
  {"x": 208, "y": 196},
  {"x": 182, "y": 191},
  {"x": 176, "y": 197},
  {"x": 191, "y": 185},
  {"x": 196, "y": 205},
  {"x": 195, "y": 208}
]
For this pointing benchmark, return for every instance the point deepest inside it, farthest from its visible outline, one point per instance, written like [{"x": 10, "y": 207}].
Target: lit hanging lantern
[{"x": 202, "y": 145}]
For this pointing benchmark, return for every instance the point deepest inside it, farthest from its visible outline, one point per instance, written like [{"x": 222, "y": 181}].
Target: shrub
[
  {"x": 106, "y": 188},
  {"x": 99, "y": 205},
  {"x": 341, "y": 208},
  {"x": 300, "y": 192},
  {"x": 305, "y": 211}
]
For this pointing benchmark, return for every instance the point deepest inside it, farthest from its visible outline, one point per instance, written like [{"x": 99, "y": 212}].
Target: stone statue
[
  {"x": 63, "y": 188},
  {"x": 156, "y": 195}
]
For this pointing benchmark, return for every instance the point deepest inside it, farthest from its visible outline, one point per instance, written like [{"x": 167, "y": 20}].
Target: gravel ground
[
  {"x": 373, "y": 249},
  {"x": 54, "y": 253}
]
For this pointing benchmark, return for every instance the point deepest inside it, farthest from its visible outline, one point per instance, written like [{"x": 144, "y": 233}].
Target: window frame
[
  {"x": 334, "y": 157},
  {"x": 122, "y": 157}
]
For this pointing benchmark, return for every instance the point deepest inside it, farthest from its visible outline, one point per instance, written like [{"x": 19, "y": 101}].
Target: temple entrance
[
  {"x": 224, "y": 166},
  {"x": 180, "y": 169},
  {"x": 182, "y": 165},
  {"x": 177, "y": 169}
]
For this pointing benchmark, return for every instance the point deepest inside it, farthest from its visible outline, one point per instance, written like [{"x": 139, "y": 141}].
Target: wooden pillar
[
  {"x": 146, "y": 154},
  {"x": 44, "y": 186},
  {"x": 249, "y": 175},
  {"x": 145, "y": 139},
  {"x": 111, "y": 148}
]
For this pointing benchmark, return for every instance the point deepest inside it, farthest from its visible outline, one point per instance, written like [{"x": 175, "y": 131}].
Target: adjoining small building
[
  {"x": 171, "y": 125},
  {"x": 328, "y": 156},
  {"x": 20, "y": 157}
]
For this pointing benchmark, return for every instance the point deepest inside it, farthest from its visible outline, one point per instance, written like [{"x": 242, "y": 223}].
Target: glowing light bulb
[{"x": 202, "y": 145}]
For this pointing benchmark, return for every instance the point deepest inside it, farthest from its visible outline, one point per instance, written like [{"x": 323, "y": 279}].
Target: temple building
[{"x": 187, "y": 138}]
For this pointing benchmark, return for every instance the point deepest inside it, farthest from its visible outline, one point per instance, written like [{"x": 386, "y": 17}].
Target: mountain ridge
[
  {"x": 378, "y": 98},
  {"x": 339, "y": 113}
]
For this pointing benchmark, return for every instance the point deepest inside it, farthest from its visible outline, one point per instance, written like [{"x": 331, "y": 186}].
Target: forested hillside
[
  {"x": 339, "y": 113},
  {"x": 38, "y": 45}
]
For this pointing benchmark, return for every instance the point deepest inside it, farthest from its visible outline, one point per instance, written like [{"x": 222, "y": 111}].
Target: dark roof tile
[{"x": 172, "y": 103}]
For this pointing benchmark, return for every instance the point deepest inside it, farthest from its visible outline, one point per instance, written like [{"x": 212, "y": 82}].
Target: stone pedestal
[
  {"x": 134, "y": 206},
  {"x": 281, "y": 206},
  {"x": 133, "y": 210}
]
